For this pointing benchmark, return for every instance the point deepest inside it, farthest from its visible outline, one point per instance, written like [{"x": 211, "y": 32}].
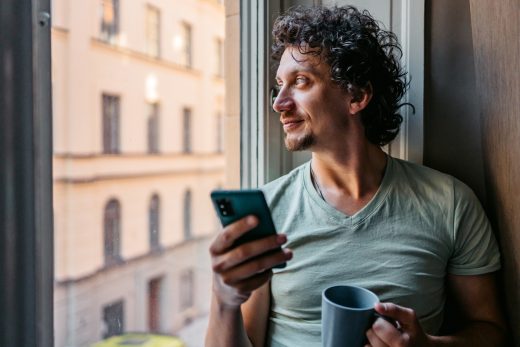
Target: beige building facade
[{"x": 138, "y": 105}]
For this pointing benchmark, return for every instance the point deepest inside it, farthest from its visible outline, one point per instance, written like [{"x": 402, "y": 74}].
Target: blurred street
[{"x": 194, "y": 333}]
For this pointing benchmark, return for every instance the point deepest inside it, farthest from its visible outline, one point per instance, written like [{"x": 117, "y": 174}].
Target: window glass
[
  {"x": 154, "y": 223},
  {"x": 186, "y": 45},
  {"x": 110, "y": 124},
  {"x": 109, "y": 20},
  {"x": 153, "y": 128},
  {"x": 138, "y": 147},
  {"x": 153, "y": 31},
  {"x": 186, "y": 126}
]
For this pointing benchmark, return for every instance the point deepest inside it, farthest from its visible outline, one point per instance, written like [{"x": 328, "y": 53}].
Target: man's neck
[{"x": 349, "y": 180}]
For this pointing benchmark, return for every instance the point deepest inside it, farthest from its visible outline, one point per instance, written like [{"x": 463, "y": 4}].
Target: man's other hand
[
  {"x": 240, "y": 270},
  {"x": 408, "y": 332}
]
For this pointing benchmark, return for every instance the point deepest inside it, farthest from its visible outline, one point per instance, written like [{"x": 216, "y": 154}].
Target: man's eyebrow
[{"x": 307, "y": 69}]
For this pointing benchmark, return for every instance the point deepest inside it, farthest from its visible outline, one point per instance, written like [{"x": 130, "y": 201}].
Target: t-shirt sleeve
[{"x": 475, "y": 249}]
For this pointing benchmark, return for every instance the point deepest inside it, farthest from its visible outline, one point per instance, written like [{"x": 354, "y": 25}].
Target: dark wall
[
  {"x": 452, "y": 130},
  {"x": 495, "y": 28},
  {"x": 472, "y": 122}
]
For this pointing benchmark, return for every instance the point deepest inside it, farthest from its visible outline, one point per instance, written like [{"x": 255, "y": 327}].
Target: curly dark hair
[{"x": 360, "y": 54}]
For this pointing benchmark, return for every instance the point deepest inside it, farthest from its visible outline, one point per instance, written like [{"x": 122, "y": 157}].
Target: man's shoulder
[
  {"x": 418, "y": 174},
  {"x": 422, "y": 178},
  {"x": 290, "y": 181}
]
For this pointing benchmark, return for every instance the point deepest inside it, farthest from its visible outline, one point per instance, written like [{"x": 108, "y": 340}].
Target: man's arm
[
  {"x": 256, "y": 314},
  {"x": 476, "y": 297},
  {"x": 241, "y": 297}
]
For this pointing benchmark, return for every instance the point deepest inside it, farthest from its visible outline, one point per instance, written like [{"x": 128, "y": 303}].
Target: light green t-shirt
[{"x": 420, "y": 225}]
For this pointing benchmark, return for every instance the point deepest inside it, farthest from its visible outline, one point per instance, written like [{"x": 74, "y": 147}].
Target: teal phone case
[{"x": 232, "y": 205}]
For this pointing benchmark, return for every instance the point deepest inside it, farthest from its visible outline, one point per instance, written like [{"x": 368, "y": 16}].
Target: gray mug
[{"x": 347, "y": 312}]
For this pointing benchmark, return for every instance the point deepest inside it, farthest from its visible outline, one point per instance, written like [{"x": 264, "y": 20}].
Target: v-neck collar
[{"x": 371, "y": 207}]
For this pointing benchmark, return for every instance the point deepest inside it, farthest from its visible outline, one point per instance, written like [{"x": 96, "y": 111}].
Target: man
[{"x": 353, "y": 215}]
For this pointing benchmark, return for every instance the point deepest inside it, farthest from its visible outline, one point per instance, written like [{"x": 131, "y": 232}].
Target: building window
[
  {"x": 187, "y": 287},
  {"x": 186, "y": 126},
  {"x": 154, "y": 305},
  {"x": 113, "y": 319},
  {"x": 154, "y": 222},
  {"x": 153, "y": 128},
  {"x": 219, "y": 54},
  {"x": 187, "y": 215},
  {"x": 111, "y": 111},
  {"x": 187, "y": 54},
  {"x": 112, "y": 231},
  {"x": 219, "y": 133},
  {"x": 109, "y": 20},
  {"x": 153, "y": 31}
]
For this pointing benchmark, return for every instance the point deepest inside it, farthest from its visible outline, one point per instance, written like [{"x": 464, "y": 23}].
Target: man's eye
[{"x": 301, "y": 80}]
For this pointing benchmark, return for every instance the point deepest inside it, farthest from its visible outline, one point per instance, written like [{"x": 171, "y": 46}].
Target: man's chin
[{"x": 299, "y": 144}]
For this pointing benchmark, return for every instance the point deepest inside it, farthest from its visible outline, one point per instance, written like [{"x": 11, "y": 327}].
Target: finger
[
  {"x": 247, "y": 251},
  {"x": 386, "y": 332},
  {"x": 255, "y": 266},
  {"x": 255, "y": 282},
  {"x": 224, "y": 240},
  {"x": 405, "y": 316},
  {"x": 374, "y": 340}
]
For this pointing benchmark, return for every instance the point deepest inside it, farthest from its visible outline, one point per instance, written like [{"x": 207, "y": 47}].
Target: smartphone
[{"x": 232, "y": 205}]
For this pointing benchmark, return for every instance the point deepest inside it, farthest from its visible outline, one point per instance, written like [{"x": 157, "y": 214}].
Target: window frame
[
  {"x": 110, "y": 33},
  {"x": 150, "y": 45},
  {"x": 154, "y": 220},
  {"x": 187, "y": 220},
  {"x": 187, "y": 120},
  {"x": 187, "y": 49},
  {"x": 153, "y": 127},
  {"x": 26, "y": 213},
  {"x": 112, "y": 216},
  {"x": 111, "y": 123}
]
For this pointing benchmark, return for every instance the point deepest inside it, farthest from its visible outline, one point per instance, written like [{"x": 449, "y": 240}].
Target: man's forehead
[{"x": 293, "y": 60}]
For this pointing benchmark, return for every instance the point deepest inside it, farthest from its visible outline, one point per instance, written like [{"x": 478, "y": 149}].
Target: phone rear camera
[{"x": 225, "y": 208}]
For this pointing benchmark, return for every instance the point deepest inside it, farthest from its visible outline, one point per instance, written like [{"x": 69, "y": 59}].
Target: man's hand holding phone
[{"x": 239, "y": 270}]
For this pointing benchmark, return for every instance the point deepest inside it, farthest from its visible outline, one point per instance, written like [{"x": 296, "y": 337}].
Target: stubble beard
[{"x": 300, "y": 143}]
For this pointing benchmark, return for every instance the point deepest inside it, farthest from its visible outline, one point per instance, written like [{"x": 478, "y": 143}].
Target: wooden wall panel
[{"x": 496, "y": 32}]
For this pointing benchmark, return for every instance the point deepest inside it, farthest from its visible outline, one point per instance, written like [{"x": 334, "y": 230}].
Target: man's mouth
[{"x": 289, "y": 124}]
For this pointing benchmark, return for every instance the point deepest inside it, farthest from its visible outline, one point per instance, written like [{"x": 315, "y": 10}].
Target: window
[
  {"x": 219, "y": 56},
  {"x": 186, "y": 40},
  {"x": 186, "y": 289},
  {"x": 154, "y": 223},
  {"x": 131, "y": 116},
  {"x": 113, "y": 319},
  {"x": 153, "y": 31},
  {"x": 219, "y": 132},
  {"x": 109, "y": 20},
  {"x": 187, "y": 215},
  {"x": 111, "y": 107},
  {"x": 186, "y": 126},
  {"x": 153, "y": 128},
  {"x": 112, "y": 232},
  {"x": 154, "y": 305}
]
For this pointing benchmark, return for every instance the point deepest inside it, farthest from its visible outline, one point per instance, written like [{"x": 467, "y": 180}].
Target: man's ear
[{"x": 360, "y": 99}]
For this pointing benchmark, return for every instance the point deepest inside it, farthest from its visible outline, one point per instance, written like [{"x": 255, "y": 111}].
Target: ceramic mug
[{"x": 347, "y": 312}]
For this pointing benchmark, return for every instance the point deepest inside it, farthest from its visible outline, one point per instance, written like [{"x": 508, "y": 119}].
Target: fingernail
[
  {"x": 251, "y": 220},
  {"x": 281, "y": 239},
  {"x": 288, "y": 254}
]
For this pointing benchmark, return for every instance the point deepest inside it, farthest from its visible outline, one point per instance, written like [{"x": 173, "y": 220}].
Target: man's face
[{"x": 313, "y": 110}]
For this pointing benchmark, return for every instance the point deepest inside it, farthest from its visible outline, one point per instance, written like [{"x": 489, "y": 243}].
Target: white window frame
[{"x": 263, "y": 155}]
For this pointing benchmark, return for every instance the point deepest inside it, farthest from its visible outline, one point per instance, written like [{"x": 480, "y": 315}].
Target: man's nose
[{"x": 283, "y": 102}]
